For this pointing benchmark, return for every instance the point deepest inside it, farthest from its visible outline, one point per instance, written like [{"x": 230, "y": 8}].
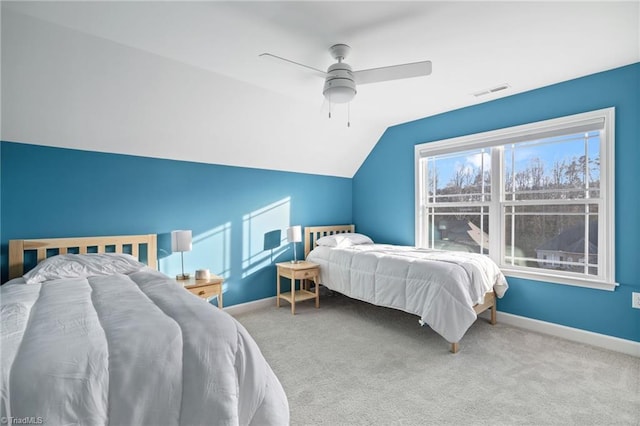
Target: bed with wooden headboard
[
  {"x": 131, "y": 244},
  {"x": 116, "y": 319},
  {"x": 314, "y": 233}
]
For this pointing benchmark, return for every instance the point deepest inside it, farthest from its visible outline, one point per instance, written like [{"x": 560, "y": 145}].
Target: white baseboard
[
  {"x": 250, "y": 306},
  {"x": 616, "y": 344},
  {"x": 611, "y": 343}
]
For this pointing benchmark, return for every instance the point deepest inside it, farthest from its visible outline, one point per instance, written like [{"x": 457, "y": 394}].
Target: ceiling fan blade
[
  {"x": 393, "y": 72},
  {"x": 320, "y": 73}
]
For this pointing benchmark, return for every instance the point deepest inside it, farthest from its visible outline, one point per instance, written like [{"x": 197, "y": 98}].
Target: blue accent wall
[
  {"x": 384, "y": 191},
  {"x": 56, "y": 192}
]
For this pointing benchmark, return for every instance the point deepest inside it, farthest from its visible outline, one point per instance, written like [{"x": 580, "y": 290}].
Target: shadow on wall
[{"x": 257, "y": 225}]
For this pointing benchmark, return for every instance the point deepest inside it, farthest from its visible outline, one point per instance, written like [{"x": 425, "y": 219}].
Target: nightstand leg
[
  {"x": 278, "y": 292},
  {"x": 220, "y": 304},
  {"x": 293, "y": 296},
  {"x": 317, "y": 288}
]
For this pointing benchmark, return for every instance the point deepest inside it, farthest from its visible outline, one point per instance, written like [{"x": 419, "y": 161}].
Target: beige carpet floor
[{"x": 352, "y": 363}]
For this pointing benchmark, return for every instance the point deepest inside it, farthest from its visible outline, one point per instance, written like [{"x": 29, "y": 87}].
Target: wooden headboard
[
  {"x": 313, "y": 233},
  {"x": 81, "y": 245}
]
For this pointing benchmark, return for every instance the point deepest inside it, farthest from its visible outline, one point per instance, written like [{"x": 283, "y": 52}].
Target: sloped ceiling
[{"x": 184, "y": 80}]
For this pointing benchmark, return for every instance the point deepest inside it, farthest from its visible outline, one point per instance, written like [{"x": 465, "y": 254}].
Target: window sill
[{"x": 559, "y": 279}]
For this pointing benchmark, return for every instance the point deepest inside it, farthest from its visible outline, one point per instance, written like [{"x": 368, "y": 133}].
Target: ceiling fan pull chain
[
  {"x": 329, "y": 108},
  {"x": 349, "y": 114}
]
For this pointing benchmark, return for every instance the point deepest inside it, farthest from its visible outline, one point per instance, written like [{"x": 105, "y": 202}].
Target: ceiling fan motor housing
[{"x": 339, "y": 85}]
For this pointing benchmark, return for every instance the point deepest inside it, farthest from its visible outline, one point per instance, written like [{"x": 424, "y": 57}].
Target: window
[{"x": 537, "y": 198}]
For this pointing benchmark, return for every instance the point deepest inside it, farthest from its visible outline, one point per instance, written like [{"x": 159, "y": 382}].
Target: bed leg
[
  {"x": 455, "y": 347},
  {"x": 493, "y": 314}
]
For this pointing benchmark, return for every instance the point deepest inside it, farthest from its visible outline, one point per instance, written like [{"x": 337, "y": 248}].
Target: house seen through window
[{"x": 537, "y": 199}]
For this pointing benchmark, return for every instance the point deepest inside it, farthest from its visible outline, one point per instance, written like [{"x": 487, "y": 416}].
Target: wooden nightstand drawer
[
  {"x": 205, "y": 291},
  {"x": 206, "y": 288},
  {"x": 306, "y": 274}
]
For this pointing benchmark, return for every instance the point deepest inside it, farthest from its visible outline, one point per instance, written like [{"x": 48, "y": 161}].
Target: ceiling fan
[{"x": 340, "y": 80}]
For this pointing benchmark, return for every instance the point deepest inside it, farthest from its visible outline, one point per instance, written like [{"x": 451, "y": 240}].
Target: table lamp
[
  {"x": 181, "y": 241},
  {"x": 294, "y": 235}
]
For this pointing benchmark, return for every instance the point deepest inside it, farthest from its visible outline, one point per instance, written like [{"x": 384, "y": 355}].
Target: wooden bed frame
[
  {"x": 42, "y": 247},
  {"x": 313, "y": 233}
]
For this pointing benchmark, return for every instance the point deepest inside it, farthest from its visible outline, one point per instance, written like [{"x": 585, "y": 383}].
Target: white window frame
[{"x": 605, "y": 280}]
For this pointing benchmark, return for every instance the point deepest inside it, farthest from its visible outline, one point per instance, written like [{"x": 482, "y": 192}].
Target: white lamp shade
[
  {"x": 294, "y": 234},
  {"x": 180, "y": 241}
]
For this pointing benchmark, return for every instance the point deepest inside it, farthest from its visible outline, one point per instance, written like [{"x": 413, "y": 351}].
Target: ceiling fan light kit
[
  {"x": 339, "y": 85},
  {"x": 340, "y": 80}
]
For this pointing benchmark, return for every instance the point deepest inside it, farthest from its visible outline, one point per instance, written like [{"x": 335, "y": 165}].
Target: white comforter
[
  {"x": 439, "y": 286},
  {"x": 130, "y": 350}
]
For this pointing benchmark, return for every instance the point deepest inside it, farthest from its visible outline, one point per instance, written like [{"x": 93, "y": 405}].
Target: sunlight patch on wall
[
  {"x": 256, "y": 254},
  {"x": 215, "y": 246}
]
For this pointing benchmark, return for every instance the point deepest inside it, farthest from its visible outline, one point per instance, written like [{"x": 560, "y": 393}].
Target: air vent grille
[{"x": 490, "y": 90}]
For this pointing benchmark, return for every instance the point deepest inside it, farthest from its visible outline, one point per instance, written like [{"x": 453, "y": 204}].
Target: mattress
[
  {"x": 441, "y": 287},
  {"x": 129, "y": 349}
]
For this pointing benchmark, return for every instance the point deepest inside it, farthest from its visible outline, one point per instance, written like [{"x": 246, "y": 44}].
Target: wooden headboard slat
[
  {"x": 17, "y": 248},
  {"x": 314, "y": 233},
  {"x": 42, "y": 254},
  {"x": 16, "y": 258}
]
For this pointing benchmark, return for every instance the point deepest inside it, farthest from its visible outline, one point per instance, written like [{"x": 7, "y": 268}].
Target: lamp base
[
  {"x": 295, "y": 261},
  {"x": 182, "y": 277}
]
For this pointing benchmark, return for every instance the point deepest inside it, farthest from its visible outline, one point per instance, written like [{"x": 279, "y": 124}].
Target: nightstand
[
  {"x": 298, "y": 271},
  {"x": 206, "y": 288}
]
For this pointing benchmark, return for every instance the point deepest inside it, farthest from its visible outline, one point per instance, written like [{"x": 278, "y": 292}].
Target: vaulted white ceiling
[{"x": 269, "y": 114}]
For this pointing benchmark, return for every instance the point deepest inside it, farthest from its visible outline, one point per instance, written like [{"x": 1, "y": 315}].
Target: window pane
[
  {"x": 460, "y": 177},
  {"x": 559, "y": 237},
  {"x": 547, "y": 205},
  {"x": 563, "y": 167},
  {"x": 459, "y": 229}
]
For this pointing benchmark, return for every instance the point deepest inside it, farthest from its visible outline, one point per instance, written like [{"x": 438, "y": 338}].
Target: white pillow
[
  {"x": 82, "y": 265},
  {"x": 344, "y": 240}
]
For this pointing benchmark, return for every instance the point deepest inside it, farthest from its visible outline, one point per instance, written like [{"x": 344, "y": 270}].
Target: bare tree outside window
[{"x": 537, "y": 203}]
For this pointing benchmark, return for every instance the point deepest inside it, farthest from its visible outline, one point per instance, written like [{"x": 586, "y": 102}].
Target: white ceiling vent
[{"x": 493, "y": 89}]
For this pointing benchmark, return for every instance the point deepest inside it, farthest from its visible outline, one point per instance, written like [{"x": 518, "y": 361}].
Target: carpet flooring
[{"x": 352, "y": 363}]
